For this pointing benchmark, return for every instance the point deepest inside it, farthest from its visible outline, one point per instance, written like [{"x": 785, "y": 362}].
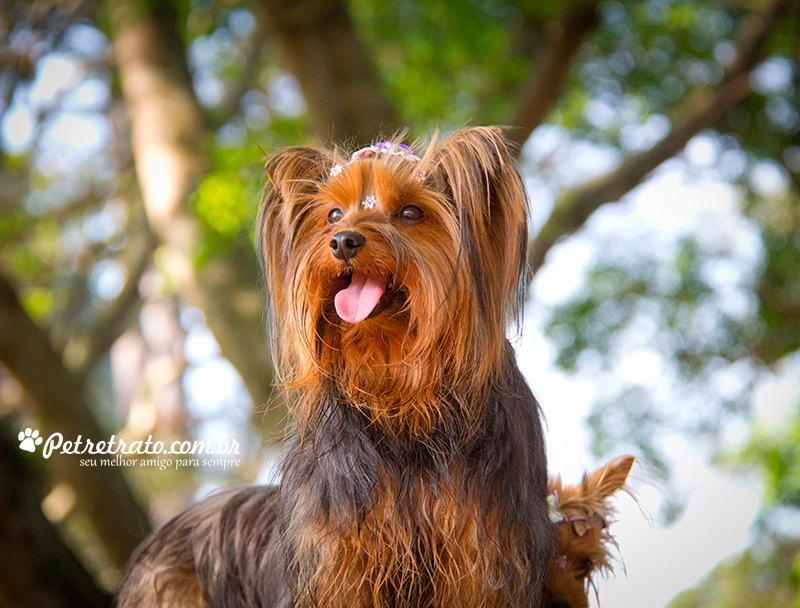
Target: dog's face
[
  {"x": 569, "y": 574},
  {"x": 371, "y": 257},
  {"x": 584, "y": 511},
  {"x": 395, "y": 276}
]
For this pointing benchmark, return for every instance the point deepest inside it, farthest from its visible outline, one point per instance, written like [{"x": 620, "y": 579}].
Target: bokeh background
[{"x": 661, "y": 144}]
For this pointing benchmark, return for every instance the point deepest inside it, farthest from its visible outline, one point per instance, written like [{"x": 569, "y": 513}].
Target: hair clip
[
  {"x": 556, "y": 516},
  {"x": 385, "y": 147},
  {"x": 581, "y": 525},
  {"x": 369, "y": 202}
]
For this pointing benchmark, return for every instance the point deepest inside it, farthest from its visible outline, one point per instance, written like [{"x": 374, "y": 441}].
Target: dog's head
[
  {"x": 395, "y": 276},
  {"x": 583, "y": 514}
]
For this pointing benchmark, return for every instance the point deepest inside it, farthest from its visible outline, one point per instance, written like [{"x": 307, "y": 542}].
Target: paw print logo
[{"x": 29, "y": 440}]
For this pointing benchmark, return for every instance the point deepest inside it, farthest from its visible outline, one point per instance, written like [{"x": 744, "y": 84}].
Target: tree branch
[
  {"x": 550, "y": 67},
  {"x": 700, "y": 110},
  {"x": 319, "y": 45},
  {"x": 63, "y": 406},
  {"x": 39, "y": 570}
]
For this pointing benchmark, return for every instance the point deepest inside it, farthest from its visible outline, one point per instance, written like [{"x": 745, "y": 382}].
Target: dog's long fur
[
  {"x": 415, "y": 473},
  {"x": 584, "y": 513}
]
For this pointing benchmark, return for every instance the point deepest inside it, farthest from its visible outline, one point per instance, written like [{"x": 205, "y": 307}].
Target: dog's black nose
[{"x": 345, "y": 245}]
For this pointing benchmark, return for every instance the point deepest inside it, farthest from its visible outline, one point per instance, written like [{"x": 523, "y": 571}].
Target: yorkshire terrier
[
  {"x": 582, "y": 514},
  {"x": 414, "y": 473}
]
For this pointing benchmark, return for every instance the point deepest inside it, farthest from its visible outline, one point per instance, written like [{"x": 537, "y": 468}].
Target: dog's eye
[
  {"x": 335, "y": 215},
  {"x": 411, "y": 213},
  {"x": 584, "y": 568}
]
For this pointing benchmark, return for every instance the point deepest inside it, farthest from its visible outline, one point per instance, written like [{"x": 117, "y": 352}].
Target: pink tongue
[{"x": 356, "y": 302}]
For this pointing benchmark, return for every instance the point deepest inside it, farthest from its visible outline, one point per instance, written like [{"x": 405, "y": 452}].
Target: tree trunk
[
  {"x": 167, "y": 138},
  {"x": 320, "y": 47},
  {"x": 542, "y": 87},
  {"x": 62, "y": 405},
  {"x": 37, "y": 570}
]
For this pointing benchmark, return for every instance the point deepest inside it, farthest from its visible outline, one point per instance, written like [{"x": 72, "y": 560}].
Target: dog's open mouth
[{"x": 364, "y": 297}]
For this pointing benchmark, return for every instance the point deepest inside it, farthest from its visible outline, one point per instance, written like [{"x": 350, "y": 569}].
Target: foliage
[
  {"x": 226, "y": 198},
  {"x": 766, "y": 575}
]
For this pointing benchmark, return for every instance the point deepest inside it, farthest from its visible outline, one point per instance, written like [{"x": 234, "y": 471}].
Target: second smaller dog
[{"x": 582, "y": 514}]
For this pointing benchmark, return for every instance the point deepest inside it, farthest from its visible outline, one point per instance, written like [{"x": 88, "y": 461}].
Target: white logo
[
  {"x": 29, "y": 440},
  {"x": 186, "y": 453}
]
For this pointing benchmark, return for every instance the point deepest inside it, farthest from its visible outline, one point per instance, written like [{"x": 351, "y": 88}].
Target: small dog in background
[
  {"x": 582, "y": 514},
  {"x": 415, "y": 473}
]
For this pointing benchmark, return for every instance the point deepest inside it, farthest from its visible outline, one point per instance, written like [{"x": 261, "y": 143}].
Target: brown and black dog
[{"x": 415, "y": 473}]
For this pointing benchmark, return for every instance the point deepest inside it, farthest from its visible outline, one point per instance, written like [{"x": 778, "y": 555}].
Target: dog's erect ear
[
  {"x": 612, "y": 477},
  {"x": 295, "y": 175},
  {"x": 481, "y": 177},
  {"x": 296, "y": 167}
]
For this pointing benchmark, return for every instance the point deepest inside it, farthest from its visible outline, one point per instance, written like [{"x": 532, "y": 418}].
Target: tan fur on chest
[{"x": 427, "y": 548}]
